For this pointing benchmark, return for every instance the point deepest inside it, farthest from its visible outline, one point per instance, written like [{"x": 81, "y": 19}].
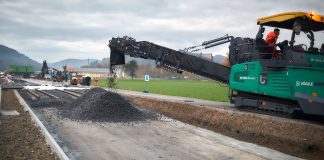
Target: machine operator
[
  {"x": 272, "y": 37},
  {"x": 271, "y": 41}
]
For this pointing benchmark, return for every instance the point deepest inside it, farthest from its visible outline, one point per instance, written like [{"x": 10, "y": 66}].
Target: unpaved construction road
[
  {"x": 159, "y": 139},
  {"x": 286, "y": 135},
  {"x": 170, "y": 139},
  {"x": 154, "y": 137}
]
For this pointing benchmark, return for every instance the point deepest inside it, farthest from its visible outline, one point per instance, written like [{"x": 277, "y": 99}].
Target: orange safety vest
[{"x": 271, "y": 39}]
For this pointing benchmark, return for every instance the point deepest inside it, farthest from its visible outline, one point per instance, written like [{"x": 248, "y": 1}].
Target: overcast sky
[{"x": 60, "y": 29}]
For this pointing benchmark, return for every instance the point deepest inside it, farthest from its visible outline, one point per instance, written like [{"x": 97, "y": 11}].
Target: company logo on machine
[
  {"x": 247, "y": 78},
  {"x": 297, "y": 83},
  {"x": 317, "y": 60},
  {"x": 263, "y": 78},
  {"x": 304, "y": 83}
]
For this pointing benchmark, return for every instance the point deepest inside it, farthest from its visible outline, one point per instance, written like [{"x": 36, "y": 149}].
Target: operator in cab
[
  {"x": 272, "y": 37},
  {"x": 271, "y": 41}
]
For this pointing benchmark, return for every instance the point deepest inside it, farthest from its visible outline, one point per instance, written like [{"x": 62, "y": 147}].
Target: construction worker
[
  {"x": 272, "y": 37},
  {"x": 271, "y": 41},
  {"x": 97, "y": 80}
]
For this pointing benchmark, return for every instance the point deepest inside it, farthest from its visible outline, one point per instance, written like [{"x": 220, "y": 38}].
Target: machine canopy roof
[{"x": 309, "y": 21}]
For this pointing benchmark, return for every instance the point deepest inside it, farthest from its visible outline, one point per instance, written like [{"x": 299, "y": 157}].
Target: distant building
[
  {"x": 97, "y": 72},
  {"x": 69, "y": 69},
  {"x": 91, "y": 72}
]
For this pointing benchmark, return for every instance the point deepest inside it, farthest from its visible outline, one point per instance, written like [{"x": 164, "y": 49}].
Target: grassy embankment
[{"x": 208, "y": 90}]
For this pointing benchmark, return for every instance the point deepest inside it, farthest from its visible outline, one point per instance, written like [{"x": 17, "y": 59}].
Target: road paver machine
[{"x": 288, "y": 84}]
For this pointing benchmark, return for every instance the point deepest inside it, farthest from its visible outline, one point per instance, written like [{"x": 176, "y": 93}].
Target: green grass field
[{"x": 208, "y": 90}]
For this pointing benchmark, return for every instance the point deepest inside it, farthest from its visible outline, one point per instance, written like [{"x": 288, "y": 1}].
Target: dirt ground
[
  {"x": 297, "y": 139},
  {"x": 19, "y": 137}
]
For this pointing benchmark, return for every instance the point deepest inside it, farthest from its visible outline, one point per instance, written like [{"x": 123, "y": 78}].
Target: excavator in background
[
  {"x": 55, "y": 75},
  {"x": 290, "y": 84}
]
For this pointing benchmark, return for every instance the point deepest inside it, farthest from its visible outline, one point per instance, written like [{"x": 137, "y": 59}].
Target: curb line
[{"x": 49, "y": 139}]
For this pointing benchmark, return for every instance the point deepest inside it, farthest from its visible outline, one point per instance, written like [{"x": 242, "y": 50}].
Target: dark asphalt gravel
[
  {"x": 100, "y": 105},
  {"x": 96, "y": 105},
  {"x": 44, "y": 101},
  {"x": 11, "y": 85},
  {"x": 60, "y": 94}
]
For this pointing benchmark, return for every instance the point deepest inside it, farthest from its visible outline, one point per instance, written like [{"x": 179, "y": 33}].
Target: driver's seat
[{"x": 261, "y": 45}]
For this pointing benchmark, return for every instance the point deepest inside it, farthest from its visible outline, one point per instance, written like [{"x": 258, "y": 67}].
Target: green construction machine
[{"x": 290, "y": 83}]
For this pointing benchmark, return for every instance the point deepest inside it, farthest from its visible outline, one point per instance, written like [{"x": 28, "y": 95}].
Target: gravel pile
[
  {"x": 57, "y": 103},
  {"x": 100, "y": 105}
]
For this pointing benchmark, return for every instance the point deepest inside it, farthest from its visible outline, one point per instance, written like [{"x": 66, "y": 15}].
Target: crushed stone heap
[{"x": 98, "y": 104}]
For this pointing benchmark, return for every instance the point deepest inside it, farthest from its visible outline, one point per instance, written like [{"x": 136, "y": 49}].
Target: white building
[{"x": 98, "y": 72}]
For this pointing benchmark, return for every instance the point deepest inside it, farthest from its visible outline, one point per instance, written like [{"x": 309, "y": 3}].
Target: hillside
[
  {"x": 77, "y": 63},
  {"x": 219, "y": 59},
  {"x": 74, "y": 63},
  {"x": 9, "y": 56}
]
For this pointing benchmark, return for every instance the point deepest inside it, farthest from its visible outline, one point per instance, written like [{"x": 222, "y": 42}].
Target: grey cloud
[{"x": 175, "y": 23}]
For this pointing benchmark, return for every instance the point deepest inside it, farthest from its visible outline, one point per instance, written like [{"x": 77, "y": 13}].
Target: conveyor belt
[{"x": 166, "y": 58}]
